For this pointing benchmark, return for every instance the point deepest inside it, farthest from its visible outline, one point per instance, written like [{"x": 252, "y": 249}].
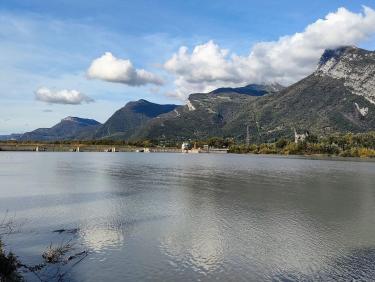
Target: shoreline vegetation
[
  {"x": 360, "y": 145},
  {"x": 56, "y": 261},
  {"x": 342, "y": 145}
]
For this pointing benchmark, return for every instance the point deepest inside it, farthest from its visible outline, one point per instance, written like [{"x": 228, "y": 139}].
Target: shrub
[
  {"x": 267, "y": 149},
  {"x": 366, "y": 153},
  {"x": 312, "y": 138},
  {"x": 281, "y": 143},
  {"x": 8, "y": 266},
  {"x": 291, "y": 149}
]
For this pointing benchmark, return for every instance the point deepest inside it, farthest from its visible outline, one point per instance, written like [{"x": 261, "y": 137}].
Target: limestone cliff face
[{"x": 353, "y": 65}]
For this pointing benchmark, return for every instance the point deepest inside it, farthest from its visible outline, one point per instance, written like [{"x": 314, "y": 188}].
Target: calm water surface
[{"x": 186, "y": 217}]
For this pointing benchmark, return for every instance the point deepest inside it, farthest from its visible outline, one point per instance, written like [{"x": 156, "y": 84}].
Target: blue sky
[{"x": 52, "y": 45}]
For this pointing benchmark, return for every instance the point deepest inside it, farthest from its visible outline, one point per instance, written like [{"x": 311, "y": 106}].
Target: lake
[{"x": 194, "y": 217}]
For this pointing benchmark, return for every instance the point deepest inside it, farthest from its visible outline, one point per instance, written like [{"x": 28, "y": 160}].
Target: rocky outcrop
[{"x": 354, "y": 66}]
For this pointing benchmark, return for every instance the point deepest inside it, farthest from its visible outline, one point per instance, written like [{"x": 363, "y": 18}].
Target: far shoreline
[{"x": 51, "y": 148}]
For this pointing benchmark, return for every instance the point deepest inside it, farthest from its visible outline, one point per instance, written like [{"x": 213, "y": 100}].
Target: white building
[
  {"x": 300, "y": 137},
  {"x": 185, "y": 146}
]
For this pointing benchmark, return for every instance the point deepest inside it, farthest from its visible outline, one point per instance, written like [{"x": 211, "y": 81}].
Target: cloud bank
[
  {"x": 112, "y": 69},
  {"x": 285, "y": 61},
  {"x": 66, "y": 97}
]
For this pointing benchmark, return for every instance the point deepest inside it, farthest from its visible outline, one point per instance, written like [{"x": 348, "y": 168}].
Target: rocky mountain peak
[
  {"x": 355, "y": 66},
  {"x": 69, "y": 118},
  {"x": 334, "y": 55}
]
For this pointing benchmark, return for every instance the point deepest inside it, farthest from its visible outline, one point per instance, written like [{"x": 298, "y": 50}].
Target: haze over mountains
[{"x": 338, "y": 97}]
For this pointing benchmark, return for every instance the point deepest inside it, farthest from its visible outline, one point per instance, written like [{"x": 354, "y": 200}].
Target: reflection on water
[
  {"x": 168, "y": 217},
  {"x": 97, "y": 239},
  {"x": 197, "y": 244}
]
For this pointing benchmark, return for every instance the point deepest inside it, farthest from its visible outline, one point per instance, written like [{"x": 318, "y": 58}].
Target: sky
[{"x": 88, "y": 58}]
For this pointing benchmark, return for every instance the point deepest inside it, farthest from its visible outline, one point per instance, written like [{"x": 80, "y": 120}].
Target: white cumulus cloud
[
  {"x": 65, "y": 96},
  {"x": 112, "y": 69},
  {"x": 285, "y": 61}
]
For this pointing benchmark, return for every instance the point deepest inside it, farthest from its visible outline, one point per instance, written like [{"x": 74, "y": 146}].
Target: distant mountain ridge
[
  {"x": 82, "y": 121},
  {"x": 125, "y": 122},
  {"x": 339, "y": 96},
  {"x": 251, "y": 89},
  {"x": 67, "y": 128},
  {"x": 10, "y": 137},
  {"x": 205, "y": 114}
]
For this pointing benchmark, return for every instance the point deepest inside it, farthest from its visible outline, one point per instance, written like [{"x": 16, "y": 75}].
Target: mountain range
[
  {"x": 339, "y": 96},
  {"x": 67, "y": 128}
]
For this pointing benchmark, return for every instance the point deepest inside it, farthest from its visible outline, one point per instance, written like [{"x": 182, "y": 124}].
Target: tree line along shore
[{"x": 343, "y": 145}]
